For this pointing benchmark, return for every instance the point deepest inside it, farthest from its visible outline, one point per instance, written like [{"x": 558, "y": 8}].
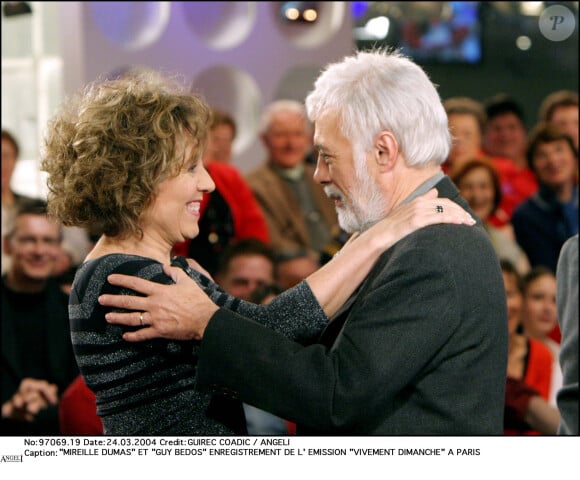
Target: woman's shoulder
[{"x": 92, "y": 274}]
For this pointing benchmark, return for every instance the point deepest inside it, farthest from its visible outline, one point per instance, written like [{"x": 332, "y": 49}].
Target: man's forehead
[
  {"x": 326, "y": 126},
  {"x": 35, "y": 221}
]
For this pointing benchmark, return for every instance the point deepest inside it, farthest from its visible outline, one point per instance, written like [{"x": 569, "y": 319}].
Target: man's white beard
[{"x": 364, "y": 208}]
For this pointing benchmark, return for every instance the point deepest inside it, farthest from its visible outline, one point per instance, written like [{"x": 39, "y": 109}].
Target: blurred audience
[
  {"x": 293, "y": 266},
  {"x": 504, "y": 138},
  {"x": 10, "y": 199},
  {"x": 568, "y": 398},
  {"x": 561, "y": 109},
  {"x": 245, "y": 266},
  {"x": 75, "y": 244},
  {"x": 37, "y": 357},
  {"x": 466, "y": 118},
  {"x": 77, "y": 410},
  {"x": 298, "y": 213},
  {"x": 231, "y": 211},
  {"x": 478, "y": 183},
  {"x": 545, "y": 221},
  {"x": 529, "y": 369},
  {"x": 222, "y": 134},
  {"x": 540, "y": 317},
  {"x": 505, "y": 130}
]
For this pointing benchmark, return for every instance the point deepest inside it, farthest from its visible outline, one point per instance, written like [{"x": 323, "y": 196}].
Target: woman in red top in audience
[{"x": 529, "y": 370}]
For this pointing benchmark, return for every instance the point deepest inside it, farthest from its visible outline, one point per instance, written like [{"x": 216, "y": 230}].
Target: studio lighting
[{"x": 304, "y": 12}]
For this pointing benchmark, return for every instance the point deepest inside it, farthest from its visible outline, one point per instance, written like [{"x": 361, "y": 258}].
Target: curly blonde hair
[{"x": 111, "y": 146}]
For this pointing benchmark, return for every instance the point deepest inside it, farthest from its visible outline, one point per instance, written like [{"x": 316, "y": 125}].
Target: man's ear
[{"x": 386, "y": 150}]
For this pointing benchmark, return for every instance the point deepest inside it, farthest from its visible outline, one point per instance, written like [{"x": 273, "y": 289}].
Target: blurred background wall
[{"x": 242, "y": 55}]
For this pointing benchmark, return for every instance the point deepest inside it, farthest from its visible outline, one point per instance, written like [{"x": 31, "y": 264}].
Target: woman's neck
[{"x": 144, "y": 247}]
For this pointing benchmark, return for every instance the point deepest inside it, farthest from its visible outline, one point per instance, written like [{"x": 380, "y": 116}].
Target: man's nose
[
  {"x": 41, "y": 247},
  {"x": 321, "y": 174}
]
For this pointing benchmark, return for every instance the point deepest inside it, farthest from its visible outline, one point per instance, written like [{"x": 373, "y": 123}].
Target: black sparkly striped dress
[{"x": 149, "y": 388}]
